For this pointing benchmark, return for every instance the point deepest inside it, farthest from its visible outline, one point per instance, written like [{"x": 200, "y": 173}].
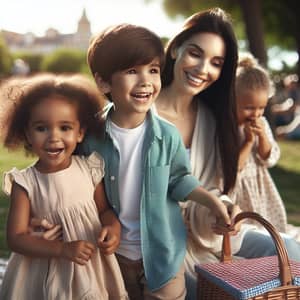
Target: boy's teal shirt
[{"x": 166, "y": 181}]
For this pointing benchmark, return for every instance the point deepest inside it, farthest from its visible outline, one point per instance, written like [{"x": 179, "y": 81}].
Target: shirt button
[{"x": 112, "y": 178}]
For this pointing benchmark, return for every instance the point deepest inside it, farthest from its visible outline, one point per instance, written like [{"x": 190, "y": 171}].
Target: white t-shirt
[{"x": 129, "y": 143}]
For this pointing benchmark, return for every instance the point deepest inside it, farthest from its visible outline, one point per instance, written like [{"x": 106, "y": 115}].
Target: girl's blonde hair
[
  {"x": 252, "y": 76},
  {"x": 19, "y": 96}
]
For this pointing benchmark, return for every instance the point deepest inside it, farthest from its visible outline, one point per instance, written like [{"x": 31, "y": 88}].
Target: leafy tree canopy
[{"x": 281, "y": 17}]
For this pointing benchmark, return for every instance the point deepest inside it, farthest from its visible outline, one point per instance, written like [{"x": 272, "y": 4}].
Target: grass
[
  {"x": 8, "y": 160},
  {"x": 286, "y": 175}
]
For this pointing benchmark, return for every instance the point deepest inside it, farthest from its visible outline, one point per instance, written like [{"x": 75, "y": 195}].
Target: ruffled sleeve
[
  {"x": 96, "y": 165},
  {"x": 17, "y": 176}
]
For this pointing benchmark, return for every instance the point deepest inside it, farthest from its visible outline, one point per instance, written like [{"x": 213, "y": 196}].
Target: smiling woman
[
  {"x": 198, "y": 84},
  {"x": 198, "y": 64}
]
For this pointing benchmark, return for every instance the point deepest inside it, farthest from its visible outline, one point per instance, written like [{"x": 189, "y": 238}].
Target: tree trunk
[
  {"x": 252, "y": 13},
  {"x": 298, "y": 51}
]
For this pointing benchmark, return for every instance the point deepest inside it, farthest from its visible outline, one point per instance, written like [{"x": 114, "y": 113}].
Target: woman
[{"x": 198, "y": 98}]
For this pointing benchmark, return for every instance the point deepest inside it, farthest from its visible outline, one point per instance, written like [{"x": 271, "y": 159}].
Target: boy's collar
[
  {"x": 155, "y": 125},
  {"x": 152, "y": 120}
]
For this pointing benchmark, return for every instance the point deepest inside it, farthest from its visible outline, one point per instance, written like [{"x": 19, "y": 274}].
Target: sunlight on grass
[
  {"x": 290, "y": 156},
  {"x": 286, "y": 175},
  {"x": 10, "y": 159}
]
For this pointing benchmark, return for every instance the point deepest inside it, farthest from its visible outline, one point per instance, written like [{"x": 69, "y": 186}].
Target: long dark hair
[{"x": 220, "y": 96}]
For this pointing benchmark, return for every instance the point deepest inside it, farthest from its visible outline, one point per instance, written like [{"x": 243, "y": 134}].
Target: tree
[
  {"x": 5, "y": 58},
  {"x": 246, "y": 14},
  {"x": 64, "y": 61},
  {"x": 278, "y": 19},
  {"x": 282, "y": 23},
  {"x": 252, "y": 14},
  {"x": 34, "y": 60}
]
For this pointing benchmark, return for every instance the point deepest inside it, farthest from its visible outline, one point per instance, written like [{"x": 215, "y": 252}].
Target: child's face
[
  {"x": 199, "y": 62},
  {"x": 53, "y": 133},
  {"x": 251, "y": 104},
  {"x": 134, "y": 90}
]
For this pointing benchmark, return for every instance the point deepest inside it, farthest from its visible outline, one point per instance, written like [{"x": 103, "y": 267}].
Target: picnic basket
[{"x": 272, "y": 278}]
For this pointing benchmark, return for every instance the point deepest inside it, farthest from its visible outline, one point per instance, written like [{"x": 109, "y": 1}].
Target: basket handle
[{"x": 284, "y": 264}]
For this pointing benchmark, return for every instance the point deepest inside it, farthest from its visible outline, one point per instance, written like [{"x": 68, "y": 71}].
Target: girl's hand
[
  {"x": 249, "y": 133},
  {"x": 79, "y": 252},
  {"x": 258, "y": 128},
  {"x": 44, "y": 229},
  {"x": 108, "y": 240}
]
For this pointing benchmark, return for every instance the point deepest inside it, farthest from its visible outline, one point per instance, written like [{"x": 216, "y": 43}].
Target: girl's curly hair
[{"x": 19, "y": 96}]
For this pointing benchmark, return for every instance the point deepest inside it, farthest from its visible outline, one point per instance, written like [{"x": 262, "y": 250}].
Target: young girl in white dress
[
  {"x": 255, "y": 189},
  {"x": 50, "y": 115}
]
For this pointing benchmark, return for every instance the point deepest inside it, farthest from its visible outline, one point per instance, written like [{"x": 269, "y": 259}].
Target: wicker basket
[{"x": 255, "y": 279}]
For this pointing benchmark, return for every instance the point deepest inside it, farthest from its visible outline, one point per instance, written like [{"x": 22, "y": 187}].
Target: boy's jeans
[{"x": 136, "y": 284}]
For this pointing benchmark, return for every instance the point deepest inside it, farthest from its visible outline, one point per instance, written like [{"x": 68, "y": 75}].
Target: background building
[{"x": 52, "y": 39}]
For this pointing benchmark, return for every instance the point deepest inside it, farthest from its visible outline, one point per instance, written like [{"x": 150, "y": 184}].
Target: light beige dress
[{"x": 65, "y": 198}]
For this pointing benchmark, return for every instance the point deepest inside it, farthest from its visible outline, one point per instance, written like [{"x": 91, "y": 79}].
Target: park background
[{"x": 52, "y": 36}]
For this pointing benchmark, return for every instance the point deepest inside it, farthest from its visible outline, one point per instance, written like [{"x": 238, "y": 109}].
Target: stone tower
[{"x": 83, "y": 34}]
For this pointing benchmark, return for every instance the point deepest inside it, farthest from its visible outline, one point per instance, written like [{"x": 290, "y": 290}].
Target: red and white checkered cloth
[{"x": 247, "y": 278}]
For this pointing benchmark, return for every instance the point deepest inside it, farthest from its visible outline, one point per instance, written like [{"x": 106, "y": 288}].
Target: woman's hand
[{"x": 45, "y": 229}]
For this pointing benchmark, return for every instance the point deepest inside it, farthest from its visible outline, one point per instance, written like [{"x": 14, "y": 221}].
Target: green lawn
[
  {"x": 7, "y": 161},
  {"x": 286, "y": 175}
]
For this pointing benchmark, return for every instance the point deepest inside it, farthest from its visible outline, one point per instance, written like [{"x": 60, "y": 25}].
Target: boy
[{"x": 147, "y": 168}]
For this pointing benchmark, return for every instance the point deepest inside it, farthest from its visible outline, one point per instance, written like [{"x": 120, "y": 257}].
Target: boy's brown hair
[{"x": 123, "y": 46}]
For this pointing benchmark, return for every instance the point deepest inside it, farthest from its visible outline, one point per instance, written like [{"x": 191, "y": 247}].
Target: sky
[{"x": 37, "y": 16}]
